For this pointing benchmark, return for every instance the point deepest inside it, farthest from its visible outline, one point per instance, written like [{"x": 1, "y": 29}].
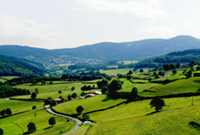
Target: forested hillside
[
  {"x": 10, "y": 66},
  {"x": 173, "y": 57}
]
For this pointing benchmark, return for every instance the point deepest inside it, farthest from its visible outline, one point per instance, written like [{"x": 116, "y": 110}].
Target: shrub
[
  {"x": 59, "y": 92},
  {"x": 8, "y": 111},
  {"x": 115, "y": 85},
  {"x": 86, "y": 117},
  {"x": 33, "y": 95},
  {"x": 74, "y": 95},
  {"x": 69, "y": 97},
  {"x": 31, "y": 127},
  {"x": 36, "y": 91},
  {"x": 3, "y": 112},
  {"x": 174, "y": 71},
  {"x": 83, "y": 93},
  {"x": 1, "y": 131},
  {"x": 141, "y": 70},
  {"x": 48, "y": 101},
  {"x": 53, "y": 103},
  {"x": 52, "y": 121},
  {"x": 34, "y": 107},
  {"x": 73, "y": 88},
  {"x": 79, "y": 109}
]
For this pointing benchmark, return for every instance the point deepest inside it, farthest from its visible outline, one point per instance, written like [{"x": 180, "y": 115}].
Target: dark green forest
[{"x": 10, "y": 66}]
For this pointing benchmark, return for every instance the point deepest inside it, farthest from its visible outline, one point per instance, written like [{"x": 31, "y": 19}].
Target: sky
[{"x": 53, "y": 24}]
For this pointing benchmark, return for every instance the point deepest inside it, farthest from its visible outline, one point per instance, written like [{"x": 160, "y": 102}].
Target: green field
[
  {"x": 111, "y": 117},
  {"x": 116, "y": 71},
  {"x": 51, "y": 90},
  {"x": 23, "y": 114},
  {"x": 89, "y": 104},
  {"x": 5, "y": 78},
  {"x": 128, "y": 62},
  {"x": 139, "y": 118}
]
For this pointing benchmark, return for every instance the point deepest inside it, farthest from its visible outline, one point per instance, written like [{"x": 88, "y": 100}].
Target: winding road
[{"x": 77, "y": 121}]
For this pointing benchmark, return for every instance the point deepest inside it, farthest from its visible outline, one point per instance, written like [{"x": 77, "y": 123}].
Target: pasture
[
  {"x": 127, "y": 118},
  {"x": 23, "y": 114}
]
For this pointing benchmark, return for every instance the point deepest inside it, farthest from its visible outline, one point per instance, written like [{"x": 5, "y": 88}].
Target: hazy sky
[{"x": 71, "y": 23}]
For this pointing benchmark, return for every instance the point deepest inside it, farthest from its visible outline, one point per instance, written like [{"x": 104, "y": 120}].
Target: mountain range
[{"x": 104, "y": 51}]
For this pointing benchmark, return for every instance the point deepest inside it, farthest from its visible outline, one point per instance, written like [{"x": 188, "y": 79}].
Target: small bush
[
  {"x": 59, "y": 92},
  {"x": 31, "y": 127},
  {"x": 34, "y": 107},
  {"x": 1, "y": 131},
  {"x": 73, "y": 88}
]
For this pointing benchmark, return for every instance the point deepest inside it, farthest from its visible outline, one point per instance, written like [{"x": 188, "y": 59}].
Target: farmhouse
[
  {"x": 92, "y": 94},
  {"x": 58, "y": 100}
]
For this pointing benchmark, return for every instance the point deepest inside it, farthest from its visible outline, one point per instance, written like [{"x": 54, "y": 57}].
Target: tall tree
[
  {"x": 158, "y": 103},
  {"x": 33, "y": 95}
]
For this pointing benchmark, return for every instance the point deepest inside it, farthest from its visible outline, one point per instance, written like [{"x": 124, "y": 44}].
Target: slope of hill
[
  {"x": 185, "y": 56},
  {"x": 105, "y": 51},
  {"x": 17, "y": 67}
]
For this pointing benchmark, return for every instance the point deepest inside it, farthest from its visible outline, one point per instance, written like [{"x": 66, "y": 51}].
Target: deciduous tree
[
  {"x": 52, "y": 121},
  {"x": 31, "y": 127},
  {"x": 158, "y": 103}
]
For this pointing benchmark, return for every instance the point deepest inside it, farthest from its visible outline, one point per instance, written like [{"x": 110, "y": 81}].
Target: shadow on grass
[
  {"x": 107, "y": 99},
  {"x": 48, "y": 128},
  {"x": 14, "y": 114},
  {"x": 27, "y": 133},
  {"x": 152, "y": 113}
]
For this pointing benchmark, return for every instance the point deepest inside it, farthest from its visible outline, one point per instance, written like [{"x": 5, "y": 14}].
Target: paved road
[{"x": 78, "y": 121}]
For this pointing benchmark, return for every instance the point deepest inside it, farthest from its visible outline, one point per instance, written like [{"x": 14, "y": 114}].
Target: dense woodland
[{"x": 10, "y": 66}]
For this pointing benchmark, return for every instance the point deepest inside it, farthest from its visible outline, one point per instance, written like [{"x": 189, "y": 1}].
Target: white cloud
[
  {"x": 27, "y": 32},
  {"x": 148, "y": 9},
  {"x": 156, "y": 30}
]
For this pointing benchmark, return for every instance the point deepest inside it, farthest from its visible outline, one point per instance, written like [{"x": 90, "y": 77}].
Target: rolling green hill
[
  {"x": 10, "y": 66},
  {"x": 185, "y": 56}
]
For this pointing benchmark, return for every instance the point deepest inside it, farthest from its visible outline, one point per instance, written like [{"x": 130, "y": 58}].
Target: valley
[{"x": 115, "y": 95}]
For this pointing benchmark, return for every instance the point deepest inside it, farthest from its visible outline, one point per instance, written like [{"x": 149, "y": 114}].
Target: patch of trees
[
  {"x": 6, "y": 111},
  {"x": 94, "y": 66},
  {"x": 1, "y": 131},
  {"x": 84, "y": 76},
  {"x": 10, "y": 66},
  {"x": 7, "y": 91},
  {"x": 33, "y": 80},
  {"x": 86, "y": 88},
  {"x": 50, "y": 101}
]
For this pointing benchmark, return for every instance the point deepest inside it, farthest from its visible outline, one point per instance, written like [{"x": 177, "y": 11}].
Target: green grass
[
  {"x": 17, "y": 123},
  {"x": 9, "y": 77},
  {"x": 48, "y": 90},
  {"x": 116, "y": 71},
  {"x": 19, "y": 106},
  {"x": 129, "y": 62},
  {"x": 5, "y": 78},
  {"x": 136, "y": 118},
  {"x": 179, "y": 86},
  {"x": 81, "y": 131},
  {"x": 89, "y": 104}
]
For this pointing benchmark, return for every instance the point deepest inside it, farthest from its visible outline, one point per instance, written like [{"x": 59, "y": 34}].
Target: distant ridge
[{"x": 107, "y": 51}]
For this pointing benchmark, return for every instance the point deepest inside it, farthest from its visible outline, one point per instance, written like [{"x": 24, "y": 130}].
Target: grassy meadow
[
  {"x": 22, "y": 114},
  {"x": 134, "y": 118},
  {"x": 51, "y": 90}
]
